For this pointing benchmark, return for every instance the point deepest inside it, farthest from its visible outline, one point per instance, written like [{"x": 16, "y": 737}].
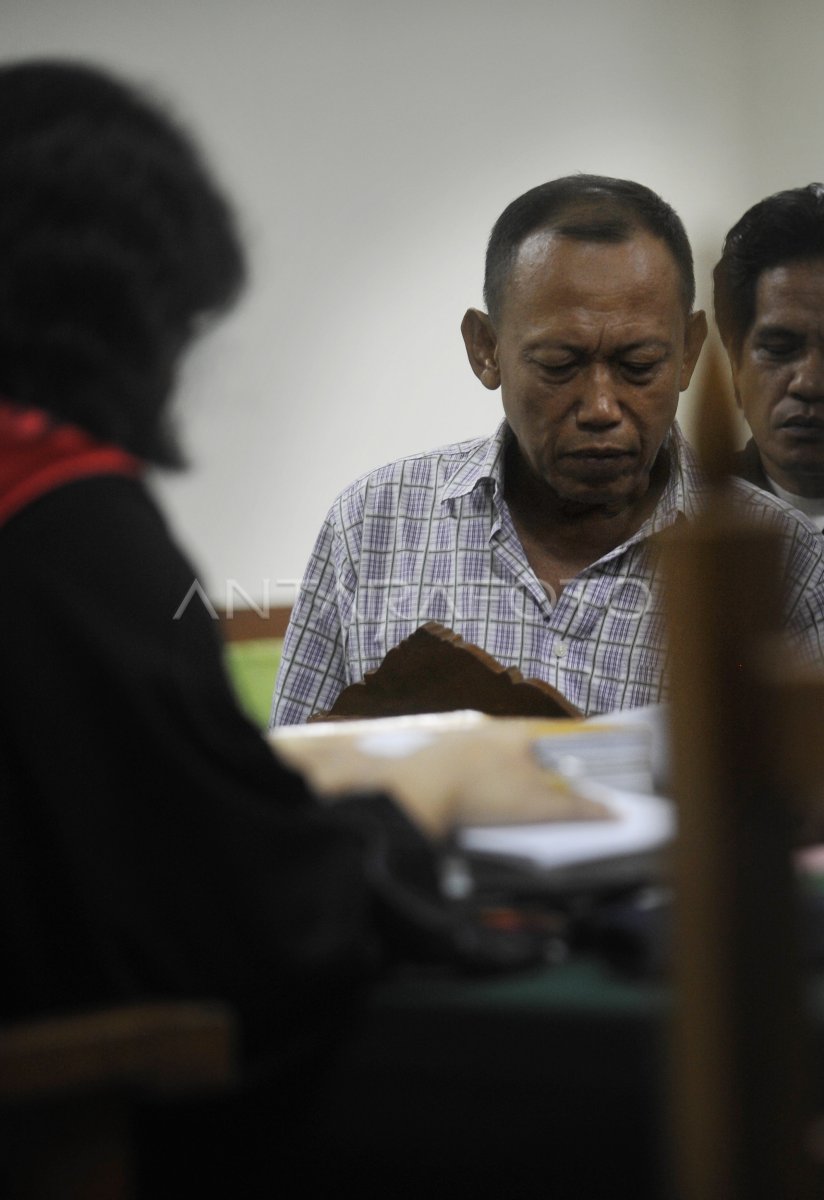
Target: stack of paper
[
  {"x": 571, "y": 855},
  {"x": 620, "y": 755}
]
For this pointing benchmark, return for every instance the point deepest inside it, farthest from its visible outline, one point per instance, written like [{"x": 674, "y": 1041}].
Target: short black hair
[
  {"x": 782, "y": 228},
  {"x": 114, "y": 244},
  {"x": 591, "y": 208}
]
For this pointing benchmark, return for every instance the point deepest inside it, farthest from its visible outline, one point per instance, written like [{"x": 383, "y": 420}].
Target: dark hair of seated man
[{"x": 116, "y": 245}]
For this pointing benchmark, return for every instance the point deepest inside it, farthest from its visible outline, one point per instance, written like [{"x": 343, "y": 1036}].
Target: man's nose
[
  {"x": 808, "y": 378},
  {"x": 598, "y": 404}
]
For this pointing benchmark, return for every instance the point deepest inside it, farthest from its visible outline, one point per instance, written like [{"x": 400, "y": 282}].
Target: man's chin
[
  {"x": 618, "y": 487},
  {"x": 615, "y": 496},
  {"x": 800, "y": 473},
  {"x": 807, "y": 460}
]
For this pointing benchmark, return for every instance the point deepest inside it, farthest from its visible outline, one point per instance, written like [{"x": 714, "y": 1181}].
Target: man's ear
[
  {"x": 481, "y": 344},
  {"x": 694, "y": 338}
]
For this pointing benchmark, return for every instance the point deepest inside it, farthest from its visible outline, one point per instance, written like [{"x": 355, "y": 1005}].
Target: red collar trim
[{"x": 38, "y": 455}]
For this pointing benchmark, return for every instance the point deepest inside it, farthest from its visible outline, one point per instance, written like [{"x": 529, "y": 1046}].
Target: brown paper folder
[{"x": 435, "y": 670}]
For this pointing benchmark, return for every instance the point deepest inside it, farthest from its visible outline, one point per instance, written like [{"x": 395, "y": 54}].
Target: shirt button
[{"x": 559, "y": 650}]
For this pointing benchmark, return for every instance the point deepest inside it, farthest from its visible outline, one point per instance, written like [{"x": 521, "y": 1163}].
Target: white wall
[
  {"x": 786, "y": 118},
  {"x": 370, "y": 146}
]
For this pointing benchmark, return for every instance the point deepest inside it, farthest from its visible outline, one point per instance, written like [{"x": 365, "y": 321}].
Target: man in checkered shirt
[{"x": 539, "y": 543}]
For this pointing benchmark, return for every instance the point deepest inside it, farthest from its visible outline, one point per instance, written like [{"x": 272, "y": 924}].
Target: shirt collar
[
  {"x": 484, "y": 464},
  {"x": 684, "y": 487}
]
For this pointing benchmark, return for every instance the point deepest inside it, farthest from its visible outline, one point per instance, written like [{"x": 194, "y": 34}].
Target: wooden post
[{"x": 738, "y": 1078}]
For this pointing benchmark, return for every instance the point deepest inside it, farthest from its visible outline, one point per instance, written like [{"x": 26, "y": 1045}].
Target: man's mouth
[
  {"x": 606, "y": 453},
  {"x": 594, "y": 463},
  {"x": 807, "y": 429}
]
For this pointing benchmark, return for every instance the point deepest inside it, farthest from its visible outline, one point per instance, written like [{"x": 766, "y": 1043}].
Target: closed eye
[
  {"x": 779, "y": 350},
  {"x": 558, "y": 372},
  {"x": 639, "y": 371},
  {"x": 777, "y": 342}
]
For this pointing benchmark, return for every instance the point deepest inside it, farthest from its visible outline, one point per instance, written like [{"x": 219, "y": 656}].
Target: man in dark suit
[{"x": 769, "y": 305}]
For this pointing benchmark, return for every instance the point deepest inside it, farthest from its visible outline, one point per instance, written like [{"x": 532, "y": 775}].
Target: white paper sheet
[{"x": 642, "y": 823}]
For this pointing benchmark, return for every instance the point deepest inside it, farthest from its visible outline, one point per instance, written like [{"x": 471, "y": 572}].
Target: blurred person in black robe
[{"x": 151, "y": 845}]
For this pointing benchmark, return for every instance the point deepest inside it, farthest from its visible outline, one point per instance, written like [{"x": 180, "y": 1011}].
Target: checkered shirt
[{"x": 430, "y": 538}]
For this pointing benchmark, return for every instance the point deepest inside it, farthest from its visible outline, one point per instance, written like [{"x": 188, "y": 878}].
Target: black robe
[{"x": 150, "y": 843}]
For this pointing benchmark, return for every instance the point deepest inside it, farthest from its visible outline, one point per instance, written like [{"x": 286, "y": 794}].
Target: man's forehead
[
  {"x": 546, "y": 244},
  {"x": 577, "y": 270},
  {"x": 791, "y": 297},
  {"x": 545, "y": 249},
  {"x": 791, "y": 287}
]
